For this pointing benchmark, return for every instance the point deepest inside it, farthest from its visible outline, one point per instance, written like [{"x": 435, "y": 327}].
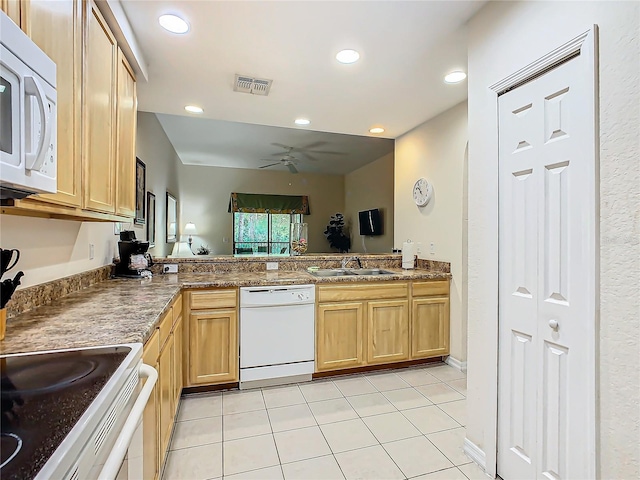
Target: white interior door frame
[{"x": 585, "y": 45}]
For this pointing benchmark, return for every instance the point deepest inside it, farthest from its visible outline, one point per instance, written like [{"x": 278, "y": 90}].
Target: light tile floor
[{"x": 396, "y": 424}]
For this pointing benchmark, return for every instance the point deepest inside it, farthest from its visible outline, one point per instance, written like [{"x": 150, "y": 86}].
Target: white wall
[
  {"x": 52, "y": 249},
  {"x": 436, "y": 150},
  {"x": 163, "y": 171},
  {"x": 504, "y": 37},
  {"x": 370, "y": 187}
]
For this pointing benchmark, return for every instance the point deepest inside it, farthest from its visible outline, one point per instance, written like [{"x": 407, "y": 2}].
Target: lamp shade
[
  {"x": 181, "y": 249},
  {"x": 190, "y": 229}
]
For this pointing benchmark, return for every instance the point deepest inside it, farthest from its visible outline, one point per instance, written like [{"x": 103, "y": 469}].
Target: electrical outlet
[
  {"x": 272, "y": 265},
  {"x": 419, "y": 248},
  {"x": 170, "y": 268},
  {"x": 92, "y": 252},
  {"x": 432, "y": 248}
]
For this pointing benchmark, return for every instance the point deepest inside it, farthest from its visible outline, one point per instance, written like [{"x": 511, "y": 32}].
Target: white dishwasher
[{"x": 277, "y": 334}]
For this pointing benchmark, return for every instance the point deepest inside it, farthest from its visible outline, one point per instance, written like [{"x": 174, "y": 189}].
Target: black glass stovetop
[{"x": 43, "y": 396}]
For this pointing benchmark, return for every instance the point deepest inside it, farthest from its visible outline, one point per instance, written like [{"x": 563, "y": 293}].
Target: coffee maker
[{"x": 128, "y": 247}]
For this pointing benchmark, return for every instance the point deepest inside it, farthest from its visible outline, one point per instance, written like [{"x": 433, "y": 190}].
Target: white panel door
[{"x": 546, "y": 275}]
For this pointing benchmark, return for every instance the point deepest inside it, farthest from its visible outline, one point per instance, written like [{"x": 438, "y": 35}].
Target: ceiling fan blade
[
  {"x": 281, "y": 145},
  {"x": 309, "y": 157},
  {"x": 271, "y": 165},
  {"x": 292, "y": 168},
  {"x": 326, "y": 152},
  {"x": 311, "y": 145}
]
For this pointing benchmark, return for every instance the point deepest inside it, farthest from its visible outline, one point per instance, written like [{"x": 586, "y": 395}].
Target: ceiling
[
  {"x": 200, "y": 141},
  {"x": 405, "y": 49}
]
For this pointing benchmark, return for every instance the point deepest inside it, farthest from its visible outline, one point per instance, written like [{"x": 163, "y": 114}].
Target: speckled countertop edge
[{"x": 127, "y": 310}]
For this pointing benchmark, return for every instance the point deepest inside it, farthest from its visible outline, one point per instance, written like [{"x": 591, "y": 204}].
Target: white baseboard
[
  {"x": 475, "y": 453},
  {"x": 457, "y": 364}
]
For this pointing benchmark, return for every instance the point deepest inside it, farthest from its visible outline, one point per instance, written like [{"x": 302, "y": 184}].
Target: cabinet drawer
[
  {"x": 151, "y": 349},
  {"x": 362, "y": 291},
  {"x": 436, "y": 287},
  {"x": 207, "y": 299},
  {"x": 177, "y": 309},
  {"x": 165, "y": 327}
]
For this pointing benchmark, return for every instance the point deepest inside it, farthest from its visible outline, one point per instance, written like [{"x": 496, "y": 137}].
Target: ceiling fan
[
  {"x": 287, "y": 160},
  {"x": 305, "y": 151}
]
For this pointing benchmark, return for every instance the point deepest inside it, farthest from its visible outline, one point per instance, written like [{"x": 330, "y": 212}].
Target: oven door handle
[{"x": 113, "y": 463}]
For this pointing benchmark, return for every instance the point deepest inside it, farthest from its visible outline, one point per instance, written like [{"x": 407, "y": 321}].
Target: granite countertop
[{"x": 127, "y": 310}]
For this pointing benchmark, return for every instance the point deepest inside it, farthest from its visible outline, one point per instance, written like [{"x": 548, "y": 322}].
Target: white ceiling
[
  {"x": 242, "y": 145},
  {"x": 405, "y": 48}
]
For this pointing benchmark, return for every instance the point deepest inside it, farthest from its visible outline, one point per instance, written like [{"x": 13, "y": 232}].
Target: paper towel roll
[{"x": 407, "y": 255}]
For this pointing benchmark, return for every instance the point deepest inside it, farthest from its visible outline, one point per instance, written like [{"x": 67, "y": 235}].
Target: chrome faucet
[{"x": 346, "y": 260}]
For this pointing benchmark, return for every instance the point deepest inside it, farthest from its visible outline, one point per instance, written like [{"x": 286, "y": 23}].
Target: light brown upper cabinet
[
  {"x": 127, "y": 106},
  {"x": 99, "y": 113},
  {"x": 56, "y": 27}
]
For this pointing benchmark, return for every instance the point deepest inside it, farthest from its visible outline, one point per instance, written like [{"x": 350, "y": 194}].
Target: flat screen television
[{"x": 370, "y": 222}]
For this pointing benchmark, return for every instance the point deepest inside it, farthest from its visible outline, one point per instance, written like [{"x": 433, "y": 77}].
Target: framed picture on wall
[
  {"x": 172, "y": 218},
  {"x": 141, "y": 180},
  {"x": 151, "y": 220}
]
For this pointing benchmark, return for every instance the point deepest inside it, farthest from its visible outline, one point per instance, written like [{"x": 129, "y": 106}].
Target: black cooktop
[{"x": 43, "y": 396}]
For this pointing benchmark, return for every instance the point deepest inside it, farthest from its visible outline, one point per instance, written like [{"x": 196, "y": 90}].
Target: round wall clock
[{"x": 422, "y": 192}]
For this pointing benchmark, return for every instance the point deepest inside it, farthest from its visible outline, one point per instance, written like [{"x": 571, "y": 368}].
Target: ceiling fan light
[
  {"x": 193, "y": 109},
  {"x": 376, "y": 130},
  {"x": 302, "y": 121},
  {"x": 347, "y": 56},
  {"x": 455, "y": 77},
  {"x": 173, "y": 24}
]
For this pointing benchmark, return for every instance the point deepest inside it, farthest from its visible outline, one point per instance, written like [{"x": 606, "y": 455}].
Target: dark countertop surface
[{"x": 121, "y": 310}]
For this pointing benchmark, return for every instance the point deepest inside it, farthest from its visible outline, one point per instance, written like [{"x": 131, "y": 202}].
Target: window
[{"x": 266, "y": 233}]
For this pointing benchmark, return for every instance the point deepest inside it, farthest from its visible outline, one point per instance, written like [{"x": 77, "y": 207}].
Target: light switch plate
[
  {"x": 170, "y": 268},
  {"x": 272, "y": 265}
]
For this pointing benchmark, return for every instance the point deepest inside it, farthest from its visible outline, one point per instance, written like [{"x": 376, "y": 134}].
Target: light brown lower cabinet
[
  {"x": 430, "y": 326},
  {"x": 163, "y": 351},
  {"x": 211, "y": 336},
  {"x": 151, "y": 432},
  {"x": 387, "y": 331},
  {"x": 339, "y": 334},
  {"x": 380, "y": 323}
]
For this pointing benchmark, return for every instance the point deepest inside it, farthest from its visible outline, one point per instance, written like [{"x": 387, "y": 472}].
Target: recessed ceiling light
[
  {"x": 376, "y": 130},
  {"x": 173, "y": 23},
  {"x": 347, "y": 56},
  {"x": 455, "y": 77},
  {"x": 302, "y": 121},
  {"x": 193, "y": 109}
]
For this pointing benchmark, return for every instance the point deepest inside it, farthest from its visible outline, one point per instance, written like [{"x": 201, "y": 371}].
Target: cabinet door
[
  {"x": 150, "y": 432},
  {"x": 387, "y": 331},
  {"x": 177, "y": 363},
  {"x": 430, "y": 327},
  {"x": 166, "y": 374},
  {"x": 339, "y": 336},
  {"x": 99, "y": 164},
  {"x": 12, "y": 9},
  {"x": 213, "y": 347},
  {"x": 56, "y": 27},
  {"x": 127, "y": 107}
]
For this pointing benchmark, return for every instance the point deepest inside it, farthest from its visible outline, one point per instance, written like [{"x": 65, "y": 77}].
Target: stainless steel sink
[
  {"x": 333, "y": 272},
  {"x": 341, "y": 272},
  {"x": 371, "y": 271}
]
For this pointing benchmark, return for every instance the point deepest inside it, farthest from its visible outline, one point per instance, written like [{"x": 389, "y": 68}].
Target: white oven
[
  {"x": 28, "y": 115},
  {"x": 74, "y": 414}
]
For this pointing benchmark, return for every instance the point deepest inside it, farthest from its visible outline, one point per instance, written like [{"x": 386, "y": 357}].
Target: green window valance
[{"x": 260, "y": 203}]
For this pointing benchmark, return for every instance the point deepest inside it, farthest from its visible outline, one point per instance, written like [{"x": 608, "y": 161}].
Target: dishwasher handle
[{"x": 113, "y": 463}]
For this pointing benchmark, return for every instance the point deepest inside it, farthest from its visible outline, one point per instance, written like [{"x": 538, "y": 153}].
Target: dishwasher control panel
[{"x": 277, "y": 295}]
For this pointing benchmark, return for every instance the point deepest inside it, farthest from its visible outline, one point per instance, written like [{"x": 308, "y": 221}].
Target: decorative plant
[
  {"x": 336, "y": 235},
  {"x": 203, "y": 250}
]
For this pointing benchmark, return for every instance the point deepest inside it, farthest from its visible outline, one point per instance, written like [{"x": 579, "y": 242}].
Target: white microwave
[{"x": 28, "y": 115}]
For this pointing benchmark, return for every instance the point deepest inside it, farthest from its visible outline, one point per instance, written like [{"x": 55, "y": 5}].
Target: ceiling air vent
[{"x": 255, "y": 86}]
